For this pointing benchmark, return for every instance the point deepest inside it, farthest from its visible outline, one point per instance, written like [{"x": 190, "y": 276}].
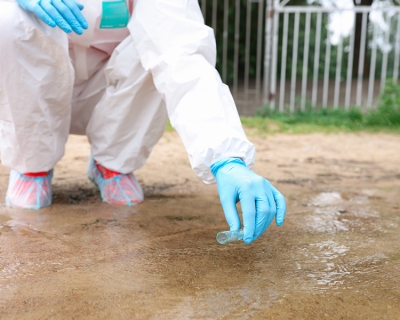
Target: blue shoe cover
[
  {"x": 122, "y": 189},
  {"x": 29, "y": 192}
]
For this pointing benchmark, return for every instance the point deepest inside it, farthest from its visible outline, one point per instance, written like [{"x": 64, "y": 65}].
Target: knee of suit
[
  {"x": 19, "y": 28},
  {"x": 11, "y": 24}
]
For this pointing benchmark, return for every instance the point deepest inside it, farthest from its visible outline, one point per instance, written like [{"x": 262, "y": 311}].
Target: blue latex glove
[
  {"x": 63, "y": 13},
  {"x": 259, "y": 199}
]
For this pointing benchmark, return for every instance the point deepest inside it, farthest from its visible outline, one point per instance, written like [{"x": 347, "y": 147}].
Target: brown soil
[{"x": 337, "y": 256}]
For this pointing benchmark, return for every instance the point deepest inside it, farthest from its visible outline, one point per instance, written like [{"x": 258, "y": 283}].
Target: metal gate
[
  {"x": 239, "y": 27},
  {"x": 329, "y": 54}
]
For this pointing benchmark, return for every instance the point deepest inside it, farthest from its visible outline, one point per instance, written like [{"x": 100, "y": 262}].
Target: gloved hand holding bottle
[
  {"x": 259, "y": 199},
  {"x": 63, "y": 13}
]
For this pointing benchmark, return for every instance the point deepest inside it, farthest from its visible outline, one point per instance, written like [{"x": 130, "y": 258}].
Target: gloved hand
[
  {"x": 63, "y": 13},
  {"x": 259, "y": 199}
]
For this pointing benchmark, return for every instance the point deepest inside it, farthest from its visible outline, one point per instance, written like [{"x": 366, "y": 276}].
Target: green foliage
[
  {"x": 254, "y": 43},
  {"x": 387, "y": 115}
]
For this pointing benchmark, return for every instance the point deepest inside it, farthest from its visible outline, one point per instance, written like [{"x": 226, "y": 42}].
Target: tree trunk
[{"x": 357, "y": 41}]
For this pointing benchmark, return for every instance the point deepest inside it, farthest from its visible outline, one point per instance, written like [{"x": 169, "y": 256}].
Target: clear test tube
[{"x": 224, "y": 237}]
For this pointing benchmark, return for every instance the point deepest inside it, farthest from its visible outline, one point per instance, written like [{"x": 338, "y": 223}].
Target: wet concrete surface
[{"x": 337, "y": 256}]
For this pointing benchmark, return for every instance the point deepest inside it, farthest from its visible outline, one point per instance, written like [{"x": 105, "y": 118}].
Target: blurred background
[{"x": 296, "y": 56}]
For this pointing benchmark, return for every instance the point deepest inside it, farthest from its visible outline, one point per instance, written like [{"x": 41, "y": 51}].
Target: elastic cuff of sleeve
[{"x": 221, "y": 163}]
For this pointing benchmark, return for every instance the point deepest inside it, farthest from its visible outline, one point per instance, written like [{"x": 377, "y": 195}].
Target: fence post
[
  {"x": 236, "y": 50},
  {"x": 269, "y": 13},
  {"x": 225, "y": 41},
  {"x": 274, "y": 59}
]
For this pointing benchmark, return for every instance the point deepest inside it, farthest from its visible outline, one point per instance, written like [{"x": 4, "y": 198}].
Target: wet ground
[{"x": 337, "y": 256}]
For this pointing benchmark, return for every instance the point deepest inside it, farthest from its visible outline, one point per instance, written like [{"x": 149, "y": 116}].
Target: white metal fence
[
  {"x": 240, "y": 33},
  {"x": 292, "y": 57}
]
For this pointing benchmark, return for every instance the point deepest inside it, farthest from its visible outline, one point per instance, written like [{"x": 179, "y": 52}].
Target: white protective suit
[{"x": 116, "y": 86}]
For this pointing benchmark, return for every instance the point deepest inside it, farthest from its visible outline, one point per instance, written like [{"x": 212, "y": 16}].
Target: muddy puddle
[{"x": 337, "y": 256}]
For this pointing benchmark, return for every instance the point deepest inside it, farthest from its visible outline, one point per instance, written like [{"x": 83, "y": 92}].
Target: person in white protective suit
[{"x": 116, "y": 70}]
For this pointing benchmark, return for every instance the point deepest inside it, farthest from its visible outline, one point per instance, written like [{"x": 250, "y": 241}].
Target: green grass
[
  {"x": 169, "y": 127},
  {"x": 386, "y": 118},
  {"x": 271, "y": 126}
]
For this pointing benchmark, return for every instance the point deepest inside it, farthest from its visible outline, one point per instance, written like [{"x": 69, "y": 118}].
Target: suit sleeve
[{"x": 179, "y": 50}]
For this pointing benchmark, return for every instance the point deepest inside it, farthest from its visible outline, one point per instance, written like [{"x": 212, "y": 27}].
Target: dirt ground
[{"x": 337, "y": 256}]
